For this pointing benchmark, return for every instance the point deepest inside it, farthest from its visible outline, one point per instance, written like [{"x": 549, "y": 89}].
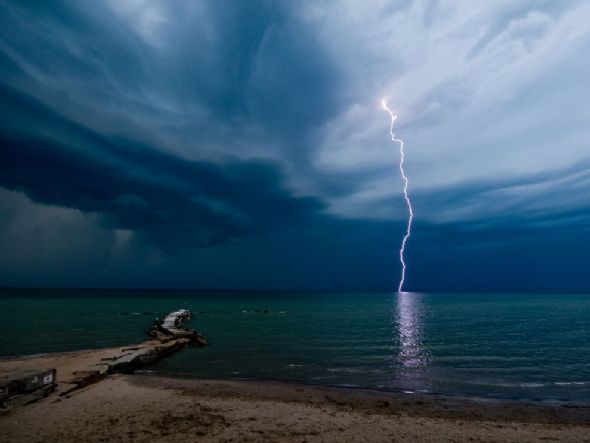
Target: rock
[{"x": 170, "y": 327}]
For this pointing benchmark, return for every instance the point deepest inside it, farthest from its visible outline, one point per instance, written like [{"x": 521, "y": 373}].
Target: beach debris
[
  {"x": 81, "y": 379},
  {"x": 26, "y": 388}
]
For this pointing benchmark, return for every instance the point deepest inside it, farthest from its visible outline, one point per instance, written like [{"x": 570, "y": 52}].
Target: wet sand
[{"x": 145, "y": 408}]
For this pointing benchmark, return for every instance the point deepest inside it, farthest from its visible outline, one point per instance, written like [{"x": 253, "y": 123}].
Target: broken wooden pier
[{"x": 167, "y": 336}]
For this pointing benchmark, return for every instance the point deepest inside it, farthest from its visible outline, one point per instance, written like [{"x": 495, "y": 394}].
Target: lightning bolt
[{"x": 406, "y": 195}]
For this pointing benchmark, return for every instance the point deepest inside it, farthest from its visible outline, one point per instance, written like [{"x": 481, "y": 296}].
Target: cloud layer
[{"x": 231, "y": 137}]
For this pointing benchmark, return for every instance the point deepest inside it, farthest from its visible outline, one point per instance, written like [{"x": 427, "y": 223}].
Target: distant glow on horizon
[{"x": 406, "y": 195}]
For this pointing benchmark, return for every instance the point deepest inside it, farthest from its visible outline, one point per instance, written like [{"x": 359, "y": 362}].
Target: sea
[{"x": 510, "y": 346}]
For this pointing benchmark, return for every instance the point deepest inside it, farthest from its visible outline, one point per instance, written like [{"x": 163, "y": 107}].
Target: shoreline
[
  {"x": 146, "y": 407},
  {"x": 69, "y": 360},
  {"x": 549, "y": 401},
  {"x": 435, "y": 405}
]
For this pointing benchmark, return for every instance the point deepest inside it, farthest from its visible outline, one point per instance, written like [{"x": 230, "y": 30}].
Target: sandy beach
[{"x": 147, "y": 408}]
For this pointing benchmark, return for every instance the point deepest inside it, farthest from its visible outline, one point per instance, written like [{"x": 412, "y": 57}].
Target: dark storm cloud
[
  {"x": 72, "y": 42},
  {"x": 165, "y": 199},
  {"x": 246, "y": 62},
  {"x": 220, "y": 67},
  {"x": 244, "y": 133}
]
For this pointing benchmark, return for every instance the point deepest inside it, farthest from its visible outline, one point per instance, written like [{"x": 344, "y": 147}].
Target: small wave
[
  {"x": 136, "y": 313},
  {"x": 529, "y": 384},
  {"x": 348, "y": 370},
  {"x": 508, "y": 385},
  {"x": 295, "y": 366},
  {"x": 479, "y": 358}
]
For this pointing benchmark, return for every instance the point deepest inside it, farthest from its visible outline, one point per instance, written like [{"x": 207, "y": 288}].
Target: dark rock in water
[
  {"x": 265, "y": 311},
  {"x": 199, "y": 340}
]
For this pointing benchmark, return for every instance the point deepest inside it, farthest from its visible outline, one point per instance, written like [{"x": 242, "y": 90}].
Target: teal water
[{"x": 529, "y": 346}]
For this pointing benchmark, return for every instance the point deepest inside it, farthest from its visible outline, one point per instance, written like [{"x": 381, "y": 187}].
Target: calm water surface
[{"x": 504, "y": 345}]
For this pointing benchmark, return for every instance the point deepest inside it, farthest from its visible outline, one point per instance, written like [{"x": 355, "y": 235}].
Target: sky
[{"x": 241, "y": 145}]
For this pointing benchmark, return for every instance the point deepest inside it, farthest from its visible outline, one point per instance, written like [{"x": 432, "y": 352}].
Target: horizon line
[{"x": 283, "y": 290}]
